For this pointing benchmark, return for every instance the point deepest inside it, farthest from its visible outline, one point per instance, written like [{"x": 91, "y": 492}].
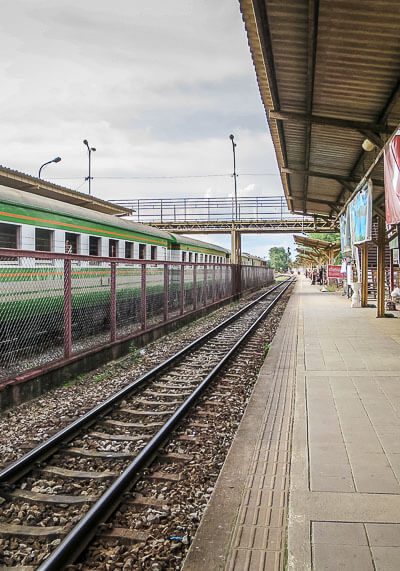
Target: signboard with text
[{"x": 334, "y": 272}]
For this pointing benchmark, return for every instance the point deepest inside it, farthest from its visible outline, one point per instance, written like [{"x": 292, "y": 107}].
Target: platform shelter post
[
  {"x": 380, "y": 296},
  {"x": 364, "y": 275}
]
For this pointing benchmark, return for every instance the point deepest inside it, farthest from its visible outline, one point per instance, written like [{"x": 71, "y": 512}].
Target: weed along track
[{"x": 130, "y": 478}]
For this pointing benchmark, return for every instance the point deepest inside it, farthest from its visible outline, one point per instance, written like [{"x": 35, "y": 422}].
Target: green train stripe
[{"x": 36, "y": 217}]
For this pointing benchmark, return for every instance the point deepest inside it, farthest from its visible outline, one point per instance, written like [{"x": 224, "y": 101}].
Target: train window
[
  {"x": 71, "y": 243},
  {"x": 94, "y": 246},
  {"x": 196, "y": 258},
  {"x": 190, "y": 256},
  {"x": 128, "y": 250},
  {"x": 43, "y": 240},
  {"x": 205, "y": 257},
  {"x": 153, "y": 253},
  {"x": 113, "y": 248},
  {"x": 142, "y": 251},
  {"x": 183, "y": 256},
  {"x": 9, "y": 234}
]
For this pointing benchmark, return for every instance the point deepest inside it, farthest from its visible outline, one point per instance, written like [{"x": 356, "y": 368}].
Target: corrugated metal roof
[
  {"x": 33, "y": 185},
  {"x": 328, "y": 73}
]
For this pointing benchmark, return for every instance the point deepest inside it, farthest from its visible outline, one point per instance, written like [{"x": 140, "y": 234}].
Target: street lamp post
[
  {"x": 56, "y": 160},
  {"x": 234, "y": 174},
  {"x": 90, "y": 149}
]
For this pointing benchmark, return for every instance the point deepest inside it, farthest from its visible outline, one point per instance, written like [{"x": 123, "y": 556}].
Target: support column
[
  {"x": 391, "y": 271},
  {"x": 236, "y": 254},
  {"x": 380, "y": 301},
  {"x": 364, "y": 275},
  {"x": 236, "y": 246}
]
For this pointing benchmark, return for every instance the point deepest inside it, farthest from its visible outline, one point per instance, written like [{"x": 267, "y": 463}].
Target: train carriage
[{"x": 32, "y": 287}]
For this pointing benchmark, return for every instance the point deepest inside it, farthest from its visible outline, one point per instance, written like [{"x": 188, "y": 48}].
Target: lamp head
[
  {"x": 85, "y": 142},
  {"x": 368, "y": 145},
  {"x": 92, "y": 149},
  {"x": 57, "y": 160},
  {"x": 231, "y": 137}
]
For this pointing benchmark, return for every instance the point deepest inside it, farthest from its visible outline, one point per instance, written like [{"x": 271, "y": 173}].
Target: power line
[{"x": 164, "y": 177}]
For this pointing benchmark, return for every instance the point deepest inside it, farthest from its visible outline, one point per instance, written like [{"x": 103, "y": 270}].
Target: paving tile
[
  {"x": 386, "y": 558},
  {"x": 329, "y": 469},
  {"x": 377, "y": 483},
  {"x": 331, "y": 483},
  {"x": 338, "y": 533},
  {"x": 328, "y": 453},
  {"x": 346, "y": 558},
  {"x": 390, "y": 441},
  {"x": 368, "y": 444},
  {"x": 383, "y": 534}
]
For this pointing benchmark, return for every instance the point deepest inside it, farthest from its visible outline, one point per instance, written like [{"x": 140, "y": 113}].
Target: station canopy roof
[
  {"x": 328, "y": 73},
  {"x": 312, "y": 249},
  {"x": 33, "y": 185}
]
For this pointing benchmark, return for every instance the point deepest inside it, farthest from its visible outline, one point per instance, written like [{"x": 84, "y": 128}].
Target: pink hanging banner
[{"x": 392, "y": 180}]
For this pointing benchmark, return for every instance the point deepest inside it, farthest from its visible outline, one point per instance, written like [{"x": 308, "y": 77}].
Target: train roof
[
  {"x": 21, "y": 198},
  {"x": 252, "y": 256},
  {"x": 199, "y": 243},
  {"x": 33, "y": 185}
]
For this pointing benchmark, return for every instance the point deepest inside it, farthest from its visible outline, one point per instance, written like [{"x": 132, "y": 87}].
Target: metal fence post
[
  {"x": 182, "y": 291},
  {"x": 113, "y": 303},
  {"x": 143, "y": 301},
  {"x": 213, "y": 284},
  {"x": 205, "y": 285},
  {"x": 67, "y": 309},
  {"x": 166, "y": 292},
  {"x": 194, "y": 287}
]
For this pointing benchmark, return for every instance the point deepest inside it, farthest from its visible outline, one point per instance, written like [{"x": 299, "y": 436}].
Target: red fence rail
[{"x": 55, "y": 306}]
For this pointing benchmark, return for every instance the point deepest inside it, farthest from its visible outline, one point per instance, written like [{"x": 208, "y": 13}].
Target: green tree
[
  {"x": 279, "y": 258},
  {"x": 334, "y": 237}
]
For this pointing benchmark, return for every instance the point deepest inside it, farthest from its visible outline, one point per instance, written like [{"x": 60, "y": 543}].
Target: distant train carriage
[
  {"x": 186, "y": 249},
  {"x": 250, "y": 260}
]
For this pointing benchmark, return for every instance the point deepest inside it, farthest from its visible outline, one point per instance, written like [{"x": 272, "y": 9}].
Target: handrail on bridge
[{"x": 207, "y": 209}]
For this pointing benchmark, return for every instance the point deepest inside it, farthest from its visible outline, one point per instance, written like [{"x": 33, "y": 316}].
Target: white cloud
[{"x": 156, "y": 87}]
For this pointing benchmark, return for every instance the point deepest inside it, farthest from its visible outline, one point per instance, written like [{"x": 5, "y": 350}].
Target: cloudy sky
[{"x": 155, "y": 86}]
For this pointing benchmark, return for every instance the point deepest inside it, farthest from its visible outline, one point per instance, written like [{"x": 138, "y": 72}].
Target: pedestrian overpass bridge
[{"x": 223, "y": 215}]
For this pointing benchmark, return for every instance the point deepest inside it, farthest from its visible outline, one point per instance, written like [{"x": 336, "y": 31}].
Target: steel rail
[
  {"x": 20, "y": 467},
  {"x": 81, "y": 535}
]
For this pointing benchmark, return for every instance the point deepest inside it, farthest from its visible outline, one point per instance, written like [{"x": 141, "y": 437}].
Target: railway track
[{"x": 66, "y": 480}]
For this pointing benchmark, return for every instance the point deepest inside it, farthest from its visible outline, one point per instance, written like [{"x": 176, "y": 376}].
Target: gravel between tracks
[
  {"x": 27, "y": 425},
  {"x": 171, "y": 527}
]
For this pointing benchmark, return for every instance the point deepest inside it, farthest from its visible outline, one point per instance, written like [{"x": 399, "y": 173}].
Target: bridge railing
[
  {"x": 207, "y": 209},
  {"x": 56, "y": 306}
]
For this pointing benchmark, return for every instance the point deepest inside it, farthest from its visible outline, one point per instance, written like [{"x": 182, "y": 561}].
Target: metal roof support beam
[
  {"x": 331, "y": 121},
  {"x": 382, "y": 118},
  {"x": 368, "y": 171},
  {"x": 339, "y": 178},
  {"x": 374, "y": 138}
]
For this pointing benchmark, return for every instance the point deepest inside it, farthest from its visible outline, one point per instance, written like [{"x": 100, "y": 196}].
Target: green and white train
[
  {"x": 32, "y": 288},
  {"x": 32, "y": 222}
]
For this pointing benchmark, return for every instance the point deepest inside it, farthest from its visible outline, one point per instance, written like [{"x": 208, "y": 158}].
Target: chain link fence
[{"x": 54, "y": 306}]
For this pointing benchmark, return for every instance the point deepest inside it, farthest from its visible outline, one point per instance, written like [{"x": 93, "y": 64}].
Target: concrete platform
[{"x": 312, "y": 478}]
